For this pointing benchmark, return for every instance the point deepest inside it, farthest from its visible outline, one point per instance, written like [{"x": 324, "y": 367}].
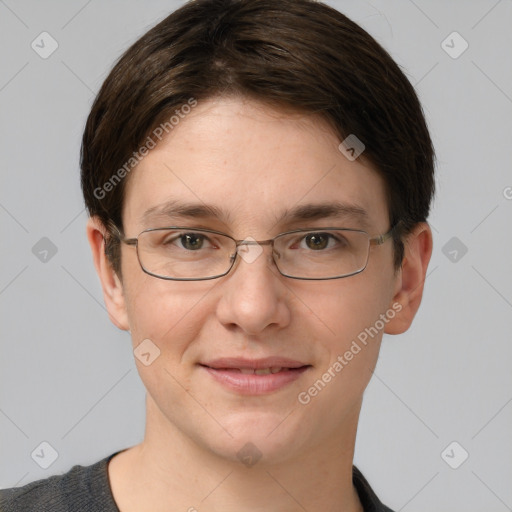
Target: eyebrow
[
  {"x": 334, "y": 210},
  {"x": 305, "y": 212},
  {"x": 180, "y": 209}
]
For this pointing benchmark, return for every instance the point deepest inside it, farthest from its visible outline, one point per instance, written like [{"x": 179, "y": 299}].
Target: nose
[{"x": 254, "y": 296}]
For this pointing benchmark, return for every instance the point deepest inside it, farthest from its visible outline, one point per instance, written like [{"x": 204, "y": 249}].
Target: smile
[{"x": 254, "y": 378}]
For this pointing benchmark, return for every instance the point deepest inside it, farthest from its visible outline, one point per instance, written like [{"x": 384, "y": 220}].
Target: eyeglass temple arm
[
  {"x": 116, "y": 232},
  {"x": 379, "y": 240}
]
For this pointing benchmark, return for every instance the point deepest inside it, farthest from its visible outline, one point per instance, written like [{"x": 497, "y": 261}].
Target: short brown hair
[{"x": 298, "y": 54}]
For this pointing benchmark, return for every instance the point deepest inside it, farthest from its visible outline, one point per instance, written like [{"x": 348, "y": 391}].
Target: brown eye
[{"x": 317, "y": 241}]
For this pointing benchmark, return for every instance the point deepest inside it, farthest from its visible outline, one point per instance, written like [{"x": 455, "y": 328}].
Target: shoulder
[
  {"x": 81, "y": 489},
  {"x": 367, "y": 496}
]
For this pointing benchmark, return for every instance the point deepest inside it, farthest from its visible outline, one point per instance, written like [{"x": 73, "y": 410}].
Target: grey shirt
[{"x": 87, "y": 489}]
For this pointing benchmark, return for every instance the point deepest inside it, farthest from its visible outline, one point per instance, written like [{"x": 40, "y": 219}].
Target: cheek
[
  {"x": 166, "y": 312},
  {"x": 169, "y": 314},
  {"x": 349, "y": 306},
  {"x": 353, "y": 315},
  {"x": 349, "y": 351}
]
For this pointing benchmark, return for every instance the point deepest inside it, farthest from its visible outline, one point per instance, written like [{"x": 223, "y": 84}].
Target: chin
[{"x": 258, "y": 438}]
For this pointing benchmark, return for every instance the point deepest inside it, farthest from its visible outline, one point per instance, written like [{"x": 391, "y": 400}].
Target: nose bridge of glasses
[
  {"x": 242, "y": 245},
  {"x": 250, "y": 249},
  {"x": 251, "y": 241}
]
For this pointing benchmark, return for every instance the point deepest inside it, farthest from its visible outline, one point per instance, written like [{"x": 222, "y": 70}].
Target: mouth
[
  {"x": 254, "y": 377},
  {"x": 255, "y": 371}
]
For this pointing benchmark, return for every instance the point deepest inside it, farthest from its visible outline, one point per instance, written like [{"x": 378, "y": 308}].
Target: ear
[
  {"x": 112, "y": 286},
  {"x": 411, "y": 278}
]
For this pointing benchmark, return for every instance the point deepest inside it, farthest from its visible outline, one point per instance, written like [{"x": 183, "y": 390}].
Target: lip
[
  {"x": 255, "y": 364},
  {"x": 226, "y": 372}
]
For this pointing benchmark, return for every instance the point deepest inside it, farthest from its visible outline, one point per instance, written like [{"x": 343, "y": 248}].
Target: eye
[
  {"x": 318, "y": 241},
  {"x": 192, "y": 241},
  {"x": 188, "y": 241}
]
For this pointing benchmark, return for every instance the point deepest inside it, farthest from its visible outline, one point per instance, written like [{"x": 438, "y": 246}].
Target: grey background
[{"x": 67, "y": 374}]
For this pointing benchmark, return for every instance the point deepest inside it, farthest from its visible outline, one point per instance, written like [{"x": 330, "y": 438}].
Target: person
[{"x": 258, "y": 176}]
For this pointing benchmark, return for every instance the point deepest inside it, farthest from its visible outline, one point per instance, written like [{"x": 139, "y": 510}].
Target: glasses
[{"x": 195, "y": 254}]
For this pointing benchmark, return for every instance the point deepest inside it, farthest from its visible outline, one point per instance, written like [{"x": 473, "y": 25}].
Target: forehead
[{"x": 244, "y": 165}]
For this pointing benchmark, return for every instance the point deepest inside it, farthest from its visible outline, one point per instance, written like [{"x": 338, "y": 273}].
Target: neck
[{"x": 169, "y": 472}]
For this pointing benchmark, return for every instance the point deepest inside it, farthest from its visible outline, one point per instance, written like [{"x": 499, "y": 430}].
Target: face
[{"x": 254, "y": 166}]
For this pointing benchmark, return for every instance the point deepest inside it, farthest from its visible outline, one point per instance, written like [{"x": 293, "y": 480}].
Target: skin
[{"x": 254, "y": 162}]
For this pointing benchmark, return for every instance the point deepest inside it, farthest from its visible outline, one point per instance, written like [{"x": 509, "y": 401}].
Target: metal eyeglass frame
[{"x": 376, "y": 240}]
